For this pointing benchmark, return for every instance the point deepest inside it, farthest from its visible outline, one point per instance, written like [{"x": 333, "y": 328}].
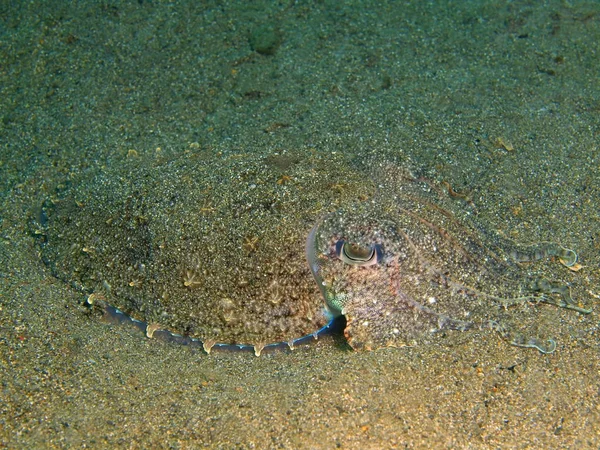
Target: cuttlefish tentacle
[
  {"x": 543, "y": 250},
  {"x": 331, "y": 302},
  {"x": 542, "y": 289}
]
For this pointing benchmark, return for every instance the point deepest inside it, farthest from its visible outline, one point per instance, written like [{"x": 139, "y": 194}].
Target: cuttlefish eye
[{"x": 358, "y": 255}]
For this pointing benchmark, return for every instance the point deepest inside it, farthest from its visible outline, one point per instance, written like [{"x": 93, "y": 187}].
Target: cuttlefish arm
[{"x": 315, "y": 268}]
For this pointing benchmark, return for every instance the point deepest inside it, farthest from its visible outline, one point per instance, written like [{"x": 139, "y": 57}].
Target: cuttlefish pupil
[{"x": 358, "y": 255}]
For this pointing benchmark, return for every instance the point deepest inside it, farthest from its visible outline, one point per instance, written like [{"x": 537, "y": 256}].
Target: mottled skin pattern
[
  {"x": 217, "y": 252},
  {"x": 211, "y": 246},
  {"x": 436, "y": 274}
]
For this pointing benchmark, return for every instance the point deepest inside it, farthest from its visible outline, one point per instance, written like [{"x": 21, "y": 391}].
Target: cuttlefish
[
  {"x": 204, "y": 256},
  {"x": 405, "y": 270}
]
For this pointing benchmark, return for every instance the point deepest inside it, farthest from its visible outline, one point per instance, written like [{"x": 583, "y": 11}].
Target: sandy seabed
[{"x": 499, "y": 99}]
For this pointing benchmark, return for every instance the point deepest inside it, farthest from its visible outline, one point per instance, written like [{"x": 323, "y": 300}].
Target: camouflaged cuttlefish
[{"x": 217, "y": 256}]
